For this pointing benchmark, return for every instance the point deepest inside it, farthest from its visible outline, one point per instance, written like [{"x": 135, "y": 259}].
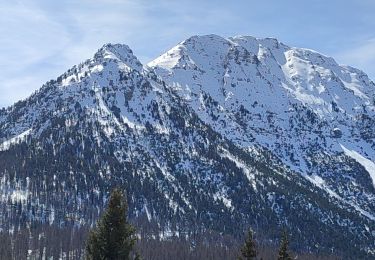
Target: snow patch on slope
[
  {"x": 18, "y": 195},
  {"x": 250, "y": 176},
  {"x": 17, "y": 139},
  {"x": 319, "y": 182},
  {"x": 366, "y": 163}
]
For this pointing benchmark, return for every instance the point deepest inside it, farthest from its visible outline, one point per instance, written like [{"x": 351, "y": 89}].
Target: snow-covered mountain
[
  {"x": 299, "y": 104},
  {"x": 216, "y": 134}
]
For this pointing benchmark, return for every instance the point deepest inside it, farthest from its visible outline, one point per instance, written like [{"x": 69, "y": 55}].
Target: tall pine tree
[
  {"x": 248, "y": 250},
  {"x": 284, "y": 251},
  {"x": 113, "y": 238}
]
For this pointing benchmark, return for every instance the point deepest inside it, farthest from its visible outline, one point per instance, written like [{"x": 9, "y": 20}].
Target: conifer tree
[
  {"x": 248, "y": 250},
  {"x": 113, "y": 237},
  {"x": 284, "y": 251}
]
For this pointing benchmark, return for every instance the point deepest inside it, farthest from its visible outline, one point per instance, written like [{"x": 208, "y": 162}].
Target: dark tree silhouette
[
  {"x": 113, "y": 238},
  {"x": 284, "y": 251},
  {"x": 248, "y": 250}
]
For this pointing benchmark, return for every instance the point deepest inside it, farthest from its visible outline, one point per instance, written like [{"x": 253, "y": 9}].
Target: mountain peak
[
  {"x": 216, "y": 121},
  {"x": 205, "y": 38},
  {"x": 120, "y": 52}
]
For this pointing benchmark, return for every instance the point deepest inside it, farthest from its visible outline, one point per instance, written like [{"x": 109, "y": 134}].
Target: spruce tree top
[
  {"x": 248, "y": 250},
  {"x": 113, "y": 238}
]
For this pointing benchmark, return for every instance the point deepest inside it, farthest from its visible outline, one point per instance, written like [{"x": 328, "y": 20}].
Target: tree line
[{"x": 114, "y": 238}]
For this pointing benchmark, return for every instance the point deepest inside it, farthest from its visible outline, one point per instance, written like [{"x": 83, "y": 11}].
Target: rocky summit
[{"x": 217, "y": 134}]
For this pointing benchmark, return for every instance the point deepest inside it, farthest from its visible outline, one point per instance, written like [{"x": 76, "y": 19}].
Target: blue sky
[{"x": 40, "y": 39}]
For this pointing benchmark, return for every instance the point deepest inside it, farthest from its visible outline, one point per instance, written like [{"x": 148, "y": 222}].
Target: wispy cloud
[
  {"x": 26, "y": 41},
  {"x": 41, "y": 38},
  {"x": 361, "y": 56}
]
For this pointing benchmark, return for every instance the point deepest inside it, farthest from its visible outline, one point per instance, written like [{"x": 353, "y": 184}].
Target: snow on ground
[
  {"x": 319, "y": 182},
  {"x": 222, "y": 196},
  {"x": 366, "y": 163},
  {"x": 250, "y": 176},
  {"x": 19, "y": 195},
  {"x": 19, "y": 138},
  {"x": 169, "y": 59}
]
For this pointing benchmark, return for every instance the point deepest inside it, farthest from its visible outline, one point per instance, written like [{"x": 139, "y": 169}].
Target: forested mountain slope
[{"x": 214, "y": 135}]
